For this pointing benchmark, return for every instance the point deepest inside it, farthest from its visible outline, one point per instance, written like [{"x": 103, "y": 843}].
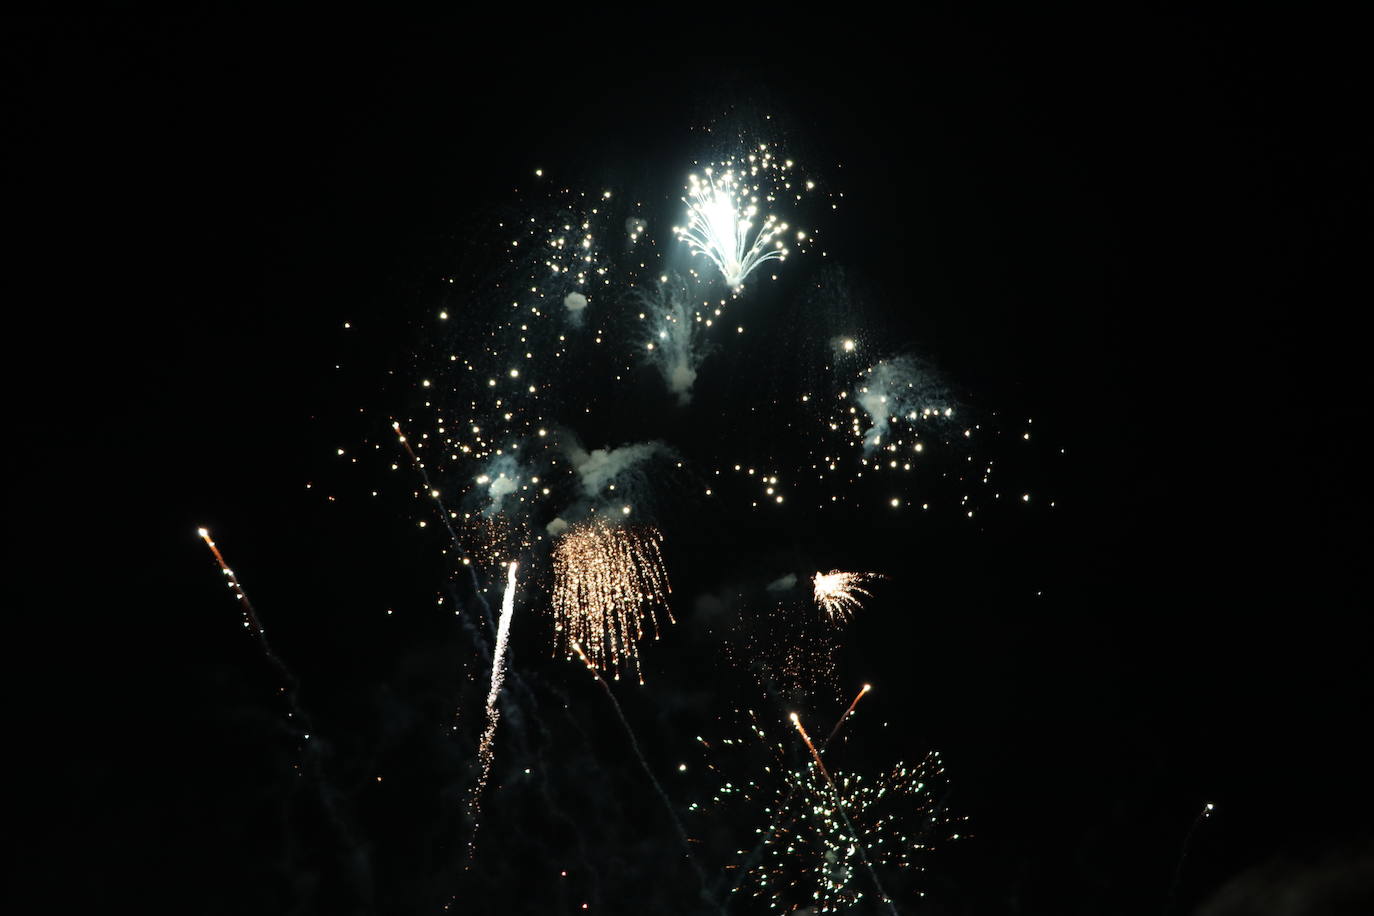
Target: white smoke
[
  {"x": 575, "y": 302},
  {"x": 900, "y": 388},
  {"x": 500, "y": 479},
  {"x": 674, "y": 341},
  {"x": 783, "y": 584},
  {"x": 603, "y": 468}
]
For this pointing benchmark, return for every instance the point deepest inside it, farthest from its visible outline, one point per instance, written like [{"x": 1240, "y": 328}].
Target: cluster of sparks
[
  {"x": 723, "y": 214},
  {"x": 498, "y": 413},
  {"x": 831, "y": 837},
  {"x": 840, "y": 594},
  {"x": 790, "y": 652},
  {"x": 607, "y": 579}
]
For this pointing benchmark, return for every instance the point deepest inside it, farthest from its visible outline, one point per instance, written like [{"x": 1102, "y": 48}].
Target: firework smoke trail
[
  {"x": 644, "y": 764},
  {"x": 444, "y": 516},
  {"x": 772, "y": 830},
  {"x": 839, "y": 806},
  {"x": 674, "y": 345},
  {"x": 296, "y": 713},
  {"x": 251, "y": 622},
  {"x": 485, "y": 751},
  {"x": 863, "y": 692},
  {"x": 719, "y": 227},
  {"x": 1202, "y": 815}
]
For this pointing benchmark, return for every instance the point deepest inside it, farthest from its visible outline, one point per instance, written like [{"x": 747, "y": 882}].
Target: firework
[
  {"x": 831, "y": 833},
  {"x": 1204, "y": 814},
  {"x": 606, "y": 580},
  {"x": 857, "y": 844},
  {"x": 838, "y": 593},
  {"x": 251, "y": 622},
  {"x": 644, "y": 765},
  {"x": 485, "y": 751},
  {"x": 720, "y": 225}
]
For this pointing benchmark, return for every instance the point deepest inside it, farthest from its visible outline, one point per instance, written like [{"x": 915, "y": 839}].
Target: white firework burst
[{"x": 721, "y": 214}]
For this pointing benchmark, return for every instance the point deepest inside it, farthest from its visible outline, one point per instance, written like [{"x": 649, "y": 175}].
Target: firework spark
[
  {"x": 838, "y": 593},
  {"x": 720, "y": 224},
  {"x": 251, "y": 622},
  {"x": 830, "y": 832},
  {"x": 606, "y": 579},
  {"x": 485, "y": 751},
  {"x": 853, "y": 834}
]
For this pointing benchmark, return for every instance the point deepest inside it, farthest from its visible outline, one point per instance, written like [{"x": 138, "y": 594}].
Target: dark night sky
[{"x": 1149, "y": 233}]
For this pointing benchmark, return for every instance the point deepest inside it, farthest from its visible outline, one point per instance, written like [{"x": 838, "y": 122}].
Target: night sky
[{"x": 1141, "y": 240}]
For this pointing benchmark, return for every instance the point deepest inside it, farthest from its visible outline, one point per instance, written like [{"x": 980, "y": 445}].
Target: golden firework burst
[{"x": 607, "y": 579}]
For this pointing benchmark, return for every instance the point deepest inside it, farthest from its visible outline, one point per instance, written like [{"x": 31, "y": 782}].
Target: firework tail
[
  {"x": 486, "y": 750},
  {"x": 445, "y": 517},
  {"x": 310, "y": 754},
  {"x": 644, "y": 764},
  {"x": 772, "y": 830},
  {"x": 839, "y": 806},
  {"x": 1202, "y": 815}
]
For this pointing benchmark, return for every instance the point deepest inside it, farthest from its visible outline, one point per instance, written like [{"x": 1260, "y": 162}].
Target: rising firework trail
[
  {"x": 1204, "y": 814},
  {"x": 839, "y": 807},
  {"x": 782, "y": 809},
  {"x": 253, "y": 625},
  {"x": 863, "y": 692},
  {"x": 445, "y": 516},
  {"x": 310, "y": 756},
  {"x": 485, "y": 750},
  {"x": 644, "y": 764}
]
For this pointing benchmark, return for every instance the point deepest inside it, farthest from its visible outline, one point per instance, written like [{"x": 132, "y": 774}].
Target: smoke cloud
[{"x": 903, "y": 387}]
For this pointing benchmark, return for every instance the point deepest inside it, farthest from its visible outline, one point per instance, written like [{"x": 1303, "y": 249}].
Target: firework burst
[
  {"x": 840, "y": 594},
  {"x": 723, "y": 220},
  {"x": 834, "y": 839},
  {"x": 606, "y": 580}
]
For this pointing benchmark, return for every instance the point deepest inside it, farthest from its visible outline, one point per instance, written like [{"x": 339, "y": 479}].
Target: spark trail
[
  {"x": 1202, "y": 815},
  {"x": 772, "y": 830},
  {"x": 310, "y": 757},
  {"x": 644, "y": 764},
  {"x": 863, "y": 692},
  {"x": 251, "y": 622},
  {"x": 839, "y": 806},
  {"x": 485, "y": 751},
  {"x": 444, "y": 516}
]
